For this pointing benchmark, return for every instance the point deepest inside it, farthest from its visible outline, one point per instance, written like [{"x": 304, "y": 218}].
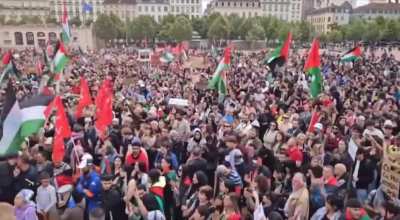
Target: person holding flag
[{"x": 312, "y": 67}]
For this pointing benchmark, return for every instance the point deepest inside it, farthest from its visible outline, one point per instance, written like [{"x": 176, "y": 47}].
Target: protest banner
[{"x": 390, "y": 175}]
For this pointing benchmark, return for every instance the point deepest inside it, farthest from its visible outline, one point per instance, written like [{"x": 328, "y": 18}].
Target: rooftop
[
  {"x": 331, "y": 8},
  {"x": 377, "y": 6}
]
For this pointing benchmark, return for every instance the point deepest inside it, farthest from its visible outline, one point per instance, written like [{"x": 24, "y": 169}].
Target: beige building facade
[
  {"x": 154, "y": 8},
  {"x": 15, "y": 9},
  {"x": 374, "y": 10},
  {"x": 242, "y": 8},
  {"x": 124, "y": 9},
  {"x": 191, "y": 8},
  {"x": 36, "y": 36},
  {"x": 287, "y": 10},
  {"x": 323, "y": 19},
  {"x": 75, "y": 9}
]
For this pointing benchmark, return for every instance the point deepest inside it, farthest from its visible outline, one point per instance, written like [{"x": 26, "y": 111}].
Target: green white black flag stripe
[{"x": 20, "y": 120}]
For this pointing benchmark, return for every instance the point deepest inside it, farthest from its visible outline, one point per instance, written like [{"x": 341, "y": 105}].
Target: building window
[
  {"x": 159, "y": 8},
  {"x": 165, "y": 9},
  {"x": 229, "y": 4},
  {"x": 152, "y": 8},
  {"x": 197, "y": 1},
  {"x": 255, "y": 14},
  {"x": 329, "y": 19},
  {"x": 222, "y": 4},
  {"x": 146, "y": 8},
  {"x": 18, "y": 38},
  {"x": 192, "y": 9},
  {"x": 140, "y": 8},
  {"x": 192, "y": 1},
  {"x": 247, "y": 4},
  {"x": 30, "y": 38},
  {"x": 177, "y": 9}
]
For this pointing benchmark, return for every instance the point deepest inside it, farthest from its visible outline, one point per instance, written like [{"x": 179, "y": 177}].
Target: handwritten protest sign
[{"x": 390, "y": 175}]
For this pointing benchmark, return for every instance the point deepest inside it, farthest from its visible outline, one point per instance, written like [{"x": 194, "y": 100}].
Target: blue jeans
[{"x": 362, "y": 195}]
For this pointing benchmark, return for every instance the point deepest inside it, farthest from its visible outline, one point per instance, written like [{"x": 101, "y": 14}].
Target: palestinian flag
[
  {"x": 167, "y": 57},
  {"x": 218, "y": 81},
  {"x": 280, "y": 54},
  {"x": 60, "y": 59},
  {"x": 10, "y": 67},
  {"x": 312, "y": 66},
  {"x": 351, "y": 55},
  {"x": 66, "y": 33},
  {"x": 20, "y": 120}
]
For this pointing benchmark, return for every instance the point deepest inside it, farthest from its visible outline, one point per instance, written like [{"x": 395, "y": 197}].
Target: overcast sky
[{"x": 362, "y": 2}]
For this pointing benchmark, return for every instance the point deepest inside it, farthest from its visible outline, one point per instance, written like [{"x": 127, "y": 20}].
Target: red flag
[
  {"x": 227, "y": 56},
  {"x": 6, "y": 58},
  {"x": 286, "y": 47},
  {"x": 104, "y": 114},
  {"x": 62, "y": 131},
  {"x": 85, "y": 99},
  {"x": 314, "y": 120},
  {"x": 313, "y": 60}
]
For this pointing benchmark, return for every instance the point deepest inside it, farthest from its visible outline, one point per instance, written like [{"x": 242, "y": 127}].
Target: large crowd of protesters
[{"x": 251, "y": 155}]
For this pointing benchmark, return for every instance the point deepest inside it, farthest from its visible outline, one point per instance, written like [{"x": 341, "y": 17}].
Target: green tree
[
  {"x": 335, "y": 36},
  {"x": 104, "y": 28},
  {"x": 391, "y": 31},
  {"x": 372, "y": 32},
  {"x": 76, "y": 21},
  {"x": 304, "y": 31},
  {"x": 2, "y": 19},
  {"x": 236, "y": 23},
  {"x": 200, "y": 25},
  {"x": 271, "y": 27},
  {"x": 143, "y": 27},
  {"x": 11, "y": 22},
  {"x": 51, "y": 20},
  {"x": 256, "y": 32},
  {"x": 119, "y": 24},
  {"x": 88, "y": 22},
  {"x": 181, "y": 29},
  {"x": 219, "y": 29},
  {"x": 355, "y": 30},
  {"x": 245, "y": 27},
  {"x": 23, "y": 20}
]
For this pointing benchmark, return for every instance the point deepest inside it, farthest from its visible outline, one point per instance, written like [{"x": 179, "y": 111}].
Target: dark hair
[
  {"x": 201, "y": 178},
  {"x": 317, "y": 171},
  {"x": 335, "y": 201},
  {"x": 275, "y": 216},
  {"x": 44, "y": 175},
  {"x": 203, "y": 210},
  {"x": 142, "y": 166},
  {"x": 235, "y": 201},
  {"x": 207, "y": 191},
  {"x": 262, "y": 183},
  {"x": 154, "y": 175},
  {"x": 168, "y": 159}
]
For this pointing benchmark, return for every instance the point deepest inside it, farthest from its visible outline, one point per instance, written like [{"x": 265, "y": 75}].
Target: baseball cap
[
  {"x": 318, "y": 126},
  {"x": 388, "y": 123},
  {"x": 86, "y": 160},
  {"x": 136, "y": 142}
]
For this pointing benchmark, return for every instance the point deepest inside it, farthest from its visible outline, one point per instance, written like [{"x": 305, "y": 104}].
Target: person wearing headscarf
[{"x": 25, "y": 208}]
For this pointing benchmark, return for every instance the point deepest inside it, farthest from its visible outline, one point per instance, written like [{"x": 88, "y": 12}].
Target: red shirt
[
  {"x": 294, "y": 153},
  {"x": 331, "y": 181},
  {"x": 130, "y": 160}
]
